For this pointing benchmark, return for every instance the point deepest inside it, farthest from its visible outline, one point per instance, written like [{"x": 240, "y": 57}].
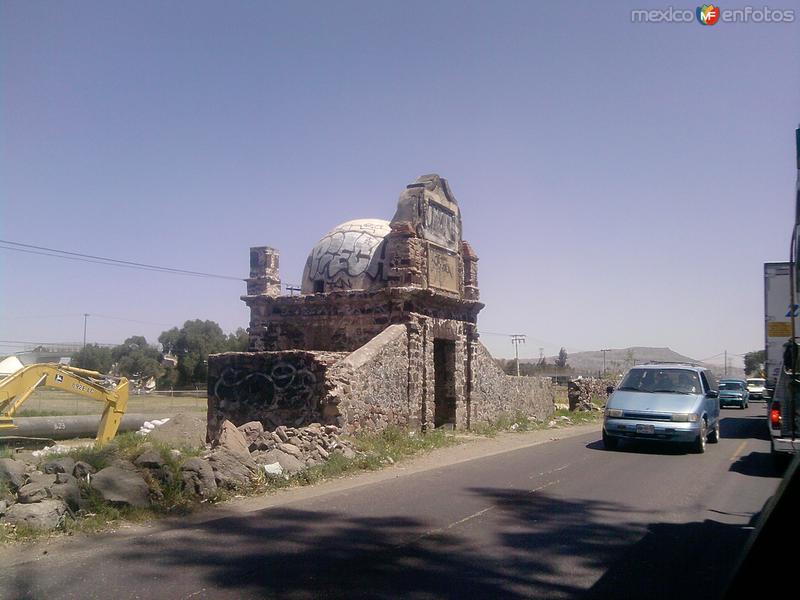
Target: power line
[{"x": 102, "y": 260}]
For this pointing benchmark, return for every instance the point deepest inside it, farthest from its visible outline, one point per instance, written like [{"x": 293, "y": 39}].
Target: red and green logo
[{"x": 708, "y": 14}]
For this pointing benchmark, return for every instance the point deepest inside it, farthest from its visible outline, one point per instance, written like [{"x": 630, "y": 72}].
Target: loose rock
[
  {"x": 290, "y": 449},
  {"x": 83, "y": 469},
  {"x": 121, "y": 486},
  {"x": 66, "y": 488},
  {"x": 198, "y": 477},
  {"x": 230, "y": 470},
  {"x": 150, "y": 459},
  {"x": 14, "y": 472},
  {"x": 184, "y": 429},
  {"x": 233, "y": 440},
  {"x": 251, "y": 431},
  {"x": 46, "y": 515},
  {"x": 281, "y": 433},
  {"x": 61, "y": 465},
  {"x": 35, "y": 491},
  {"x": 288, "y": 463}
]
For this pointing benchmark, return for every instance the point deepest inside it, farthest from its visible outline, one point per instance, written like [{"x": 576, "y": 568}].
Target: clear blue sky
[{"x": 622, "y": 183}]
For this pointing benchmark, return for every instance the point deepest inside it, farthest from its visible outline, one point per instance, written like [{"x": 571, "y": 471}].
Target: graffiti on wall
[
  {"x": 349, "y": 257},
  {"x": 281, "y": 390},
  {"x": 439, "y": 225},
  {"x": 443, "y": 270}
]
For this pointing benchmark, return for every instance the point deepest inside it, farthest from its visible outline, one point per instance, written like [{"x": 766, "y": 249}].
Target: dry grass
[{"x": 46, "y": 402}]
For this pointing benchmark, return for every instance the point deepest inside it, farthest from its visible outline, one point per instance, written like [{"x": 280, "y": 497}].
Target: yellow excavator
[{"x": 17, "y": 387}]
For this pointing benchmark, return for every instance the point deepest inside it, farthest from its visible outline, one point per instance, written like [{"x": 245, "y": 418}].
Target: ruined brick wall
[
  {"x": 344, "y": 321},
  {"x": 390, "y": 381},
  {"x": 588, "y": 394},
  {"x": 321, "y": 323},
  {"x": 276, "y": 388},
  {"x": 495, "y": 393},
  {"x": 422, "y": 345},
  {"x": 370, "y": 389}
]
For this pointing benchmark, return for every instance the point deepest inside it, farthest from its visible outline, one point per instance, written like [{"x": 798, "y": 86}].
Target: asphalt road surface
[{"x": 563, "y": 519}]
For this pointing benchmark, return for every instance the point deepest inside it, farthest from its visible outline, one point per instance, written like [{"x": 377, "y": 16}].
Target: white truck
[
  {"x": 782, "y": 327},
  {"x": 777, "y": 318}
]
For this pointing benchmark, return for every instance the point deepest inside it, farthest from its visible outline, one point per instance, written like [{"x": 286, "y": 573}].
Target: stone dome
[{"x": 349, "y": 257}]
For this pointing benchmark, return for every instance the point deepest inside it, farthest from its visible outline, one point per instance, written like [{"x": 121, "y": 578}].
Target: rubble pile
[
  {"x": 311, "y": 445},
  {"x": 41, "y": 490},
  {"x": 587, "y": 394}
]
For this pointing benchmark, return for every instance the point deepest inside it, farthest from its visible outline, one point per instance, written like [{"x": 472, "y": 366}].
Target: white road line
[{"x": 483, "y": 511}]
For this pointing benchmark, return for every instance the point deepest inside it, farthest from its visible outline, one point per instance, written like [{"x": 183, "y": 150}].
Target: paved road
[{"x": 563, "y": 519}]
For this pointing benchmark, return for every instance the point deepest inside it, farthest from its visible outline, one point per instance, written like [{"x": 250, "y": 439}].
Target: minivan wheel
[
  {"x": 609, "y": 443},
  {"x": 713, "y": 437},
  {"x": 699, "y": 445}
]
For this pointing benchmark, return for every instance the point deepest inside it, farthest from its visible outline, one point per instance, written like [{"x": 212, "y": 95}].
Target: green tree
[
  {"x": 192, "y": 344},
  {"x": 94, "y": 358},
  {"x": 238, "y": 341},
  {"x": 561, "y": 361},
  {"x": 136, "y": 359},
  {"x": 754, "y": 362}
]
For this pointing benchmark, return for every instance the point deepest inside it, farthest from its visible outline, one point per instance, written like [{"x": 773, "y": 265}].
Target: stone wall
[
  {"x": 494, "y": 393},
  {"x": 275, "y": 388},
  {"x": 371, "y": 384},
  {"x": 344, "y": 321},
  {"x": 581, "y": 393},
  {"x": 390, "y": 381}
]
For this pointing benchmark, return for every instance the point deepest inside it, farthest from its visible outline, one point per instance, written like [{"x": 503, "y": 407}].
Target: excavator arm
[{"x": 16, "y": 388}]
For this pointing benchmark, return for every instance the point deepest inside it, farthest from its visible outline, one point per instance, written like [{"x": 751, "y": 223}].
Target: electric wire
[{"x": 90, "y": 258}]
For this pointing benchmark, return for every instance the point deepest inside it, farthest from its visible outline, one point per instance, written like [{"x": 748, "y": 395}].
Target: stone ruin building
[{"x": 384, "y": 332}]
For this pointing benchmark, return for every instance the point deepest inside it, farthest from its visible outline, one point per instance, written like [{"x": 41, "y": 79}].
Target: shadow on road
[
  {"x": 743, "y": 428},
  {"x": 310, "y": 554},
  {"x": 535, "y": 546},
  {"x": 693, "y": 560},
  {"x": 756, "y": 464},
  {"x": 637, "y": 446}
]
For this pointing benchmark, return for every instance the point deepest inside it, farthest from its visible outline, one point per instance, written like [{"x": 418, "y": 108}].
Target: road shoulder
[{"x": 471, "y": 448}]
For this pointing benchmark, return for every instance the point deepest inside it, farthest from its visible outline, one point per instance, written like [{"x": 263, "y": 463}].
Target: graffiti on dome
[{"x": 349, "y": 257}]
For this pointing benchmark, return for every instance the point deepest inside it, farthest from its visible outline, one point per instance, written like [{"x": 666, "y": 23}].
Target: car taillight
[{"x": 775, "y": 415}]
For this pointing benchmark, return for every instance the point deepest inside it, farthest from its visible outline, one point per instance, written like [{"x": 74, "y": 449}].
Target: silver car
[{"x": 664, "y": 401}]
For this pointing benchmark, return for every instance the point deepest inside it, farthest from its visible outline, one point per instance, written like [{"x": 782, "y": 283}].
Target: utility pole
[
  {"x": 85, "y": 316},
  {"x": 604, "y": 350},
  {"x": 292, "y": 289},
  {"x": 726, "y": 363},
  {"x": 517, "y": 339}
]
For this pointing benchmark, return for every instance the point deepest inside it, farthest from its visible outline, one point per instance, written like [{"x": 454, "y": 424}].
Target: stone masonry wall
[
  {"x": 344, "y": 321},
  {"x": 584, "y": 393},
  {"x": 443, "y": 329},
  {"x": 371, "y": 385},
  {"x": 390, "y": 381},
  {"x": 275, "y": 388},
  {"x": 495, "y": 393}
]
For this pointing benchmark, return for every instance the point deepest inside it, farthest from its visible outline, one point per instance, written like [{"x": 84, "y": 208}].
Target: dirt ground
[{"x": 45, "y": 402}]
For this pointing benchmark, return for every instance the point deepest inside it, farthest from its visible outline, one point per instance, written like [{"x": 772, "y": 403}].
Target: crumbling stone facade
[
  {"x": 588, "y": 394},
  {"x": 385, "y": 326},
  {"x": 275, "y": 388}
]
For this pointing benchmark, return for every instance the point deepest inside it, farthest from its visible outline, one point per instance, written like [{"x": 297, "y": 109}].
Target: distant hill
[{"x": 619, "y": 360}]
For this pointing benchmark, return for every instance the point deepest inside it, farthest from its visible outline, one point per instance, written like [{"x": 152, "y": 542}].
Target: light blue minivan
[{"x": 670, "y": 402}]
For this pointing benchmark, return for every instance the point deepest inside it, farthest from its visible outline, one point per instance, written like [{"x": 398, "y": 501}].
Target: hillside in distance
[{"x": 619, "y": 360}]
